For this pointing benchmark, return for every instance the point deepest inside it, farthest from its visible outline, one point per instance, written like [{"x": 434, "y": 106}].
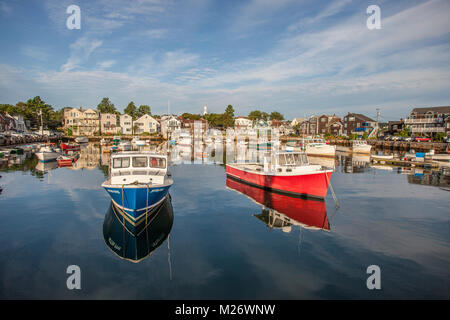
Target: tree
[
  {"x": 190, "y": 116},
  {"x": 276, "y": 116},
  {"x": 106, "y": 106},
  {"x": 143, "y": 109},
  {"x": 255, "y": 115},
  {"x": 131, "y": 110},
  {"x": 229, "y": 111}
]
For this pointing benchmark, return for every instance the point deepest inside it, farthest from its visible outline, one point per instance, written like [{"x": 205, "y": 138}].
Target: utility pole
[{"x": 378, "y": 118}]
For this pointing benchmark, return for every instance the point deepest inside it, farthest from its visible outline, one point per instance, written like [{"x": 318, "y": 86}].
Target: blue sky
[{"x": 298, "y": 57}]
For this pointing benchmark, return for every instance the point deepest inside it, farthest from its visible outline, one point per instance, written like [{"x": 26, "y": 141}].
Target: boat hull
[
  {"x": 136, "y": 200},
  {"x": 311, "y": 185},
  {"x": 323, "y": 151},
  {"x": 46, "y": 156}
]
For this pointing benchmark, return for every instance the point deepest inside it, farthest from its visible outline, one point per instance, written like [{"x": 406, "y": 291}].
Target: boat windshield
[
  {"x": 121, "y": 163},
  {"x": 139, "y": 162},
  {"x": 292, "y": 159},
  {"x": 159, "y": 163}
]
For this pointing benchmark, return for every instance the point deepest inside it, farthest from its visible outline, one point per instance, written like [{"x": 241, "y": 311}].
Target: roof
[
  {"x": 360, "y": 116},
  {"x": 434, "y": 109}
]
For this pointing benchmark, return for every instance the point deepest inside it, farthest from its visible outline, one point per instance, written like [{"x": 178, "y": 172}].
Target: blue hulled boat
[{"x": 138, "y": 182}]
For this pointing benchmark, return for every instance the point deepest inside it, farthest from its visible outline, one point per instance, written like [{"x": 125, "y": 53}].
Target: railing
[
  {"x": 424, "y": 120},
  {"x": 434, "y": 129}
]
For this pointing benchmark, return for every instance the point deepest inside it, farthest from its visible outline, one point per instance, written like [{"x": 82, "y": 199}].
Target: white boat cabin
[
  {"x": 287, "y": 163},
  {"x": 138, "y": 167}
]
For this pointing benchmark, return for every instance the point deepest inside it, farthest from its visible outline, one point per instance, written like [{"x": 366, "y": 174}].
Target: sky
[{"x": 297, "y": 57}]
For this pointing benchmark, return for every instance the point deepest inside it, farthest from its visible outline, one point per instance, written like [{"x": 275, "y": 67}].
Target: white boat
[
  {"x": 125, "y": 146},
  {"x": 81, "y": 139},
  {"x": 441, "y": 157},
  {"x": 361, "y": 146},
  {"x": 138, "y": 142},
  {"x": 318, "y": 147},
  {"x": 47, "y": 153},
  {"x": 138, "y": 182},
  {"x": 382, "y": 157}
]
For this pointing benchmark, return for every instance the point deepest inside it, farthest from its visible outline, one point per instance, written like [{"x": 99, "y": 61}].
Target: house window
[{"x": 351, "y": 119}]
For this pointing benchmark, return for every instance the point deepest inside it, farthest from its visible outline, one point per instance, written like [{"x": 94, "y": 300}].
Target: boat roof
[{"x": 137, "y": 153}]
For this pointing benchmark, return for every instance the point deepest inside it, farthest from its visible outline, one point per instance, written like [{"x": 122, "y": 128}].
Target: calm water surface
[{"x": 227, "y": 240}]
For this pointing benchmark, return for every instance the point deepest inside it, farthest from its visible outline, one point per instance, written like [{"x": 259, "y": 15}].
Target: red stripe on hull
[{"x": 313, "y": 185}]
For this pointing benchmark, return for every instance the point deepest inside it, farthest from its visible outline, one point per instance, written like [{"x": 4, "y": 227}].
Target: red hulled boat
[
  {"x": 70, "y": 147},
  {"x": 310, "y": 214},
  {"x": 284, "y": 172}
]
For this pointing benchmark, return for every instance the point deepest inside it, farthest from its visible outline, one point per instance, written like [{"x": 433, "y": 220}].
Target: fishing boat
[
  {"x": 319, "y": 147},
  {"x": 282, "y": 211},
  {"x": 81, "y": 139},
  {"x": 357, "y": 146},
  {"x": 138, "y": 181},
  {"x": 47, "y": 153},
  {"x": 70, "y": 147},
  {"x": 361, "y": 146},
  {"x": 284, "y": 172}
]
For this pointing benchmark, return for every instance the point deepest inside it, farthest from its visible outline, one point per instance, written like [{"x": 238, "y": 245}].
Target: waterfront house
[
  {"x": 428, "y": 121},
  {"x": 330, "y": 124},
  {"x": 189, "y": 124},
  {"x": 297, "y": 121},
  {"x": 308, "y": 127},
  {"x": 169, "y": 124},
  {"x": 108, "y": 123},
  {"x": 395, "y": 127},
  {"x": 126, "y": 124},
  {"x": 357, "y": 123},
  {"x": 81, "y": 122},
  {"x": 146, "y": 123},
  {"x": 283, "y": 127}
]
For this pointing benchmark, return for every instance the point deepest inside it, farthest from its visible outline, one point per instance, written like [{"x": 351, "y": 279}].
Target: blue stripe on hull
[{"x": 135, "y": 199}]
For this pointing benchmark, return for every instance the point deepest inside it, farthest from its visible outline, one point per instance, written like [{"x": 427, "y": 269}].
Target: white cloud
[{"x": 80, "y": 52}]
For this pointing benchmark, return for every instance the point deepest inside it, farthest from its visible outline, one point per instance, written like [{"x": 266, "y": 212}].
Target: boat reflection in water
[
  {"x": 282, "y": 211},
  {"x": 135, "y": 242}
]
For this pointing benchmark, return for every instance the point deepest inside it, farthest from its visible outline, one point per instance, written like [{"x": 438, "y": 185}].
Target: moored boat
[
  {"x": 81, "y": 139},
  {"x": 70, "y": 147},
  {"x": 47, "y": 153},
  {"x": 138, "y": 181},
  {"x": 285, "y": 172},
  {"x": 361, "y": 146}
]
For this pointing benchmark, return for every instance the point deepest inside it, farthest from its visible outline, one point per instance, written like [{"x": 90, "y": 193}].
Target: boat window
[
  {"x": 157, "y": 162},
  {"x": 121, "y": 163},
  {"x": 139, "y": 162}
]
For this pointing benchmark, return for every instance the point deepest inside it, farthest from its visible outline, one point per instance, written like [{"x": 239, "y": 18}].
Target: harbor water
[{"x": 219, "y": 240}]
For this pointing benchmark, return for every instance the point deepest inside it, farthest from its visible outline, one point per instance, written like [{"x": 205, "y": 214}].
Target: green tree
[
  {"x": 229, "y": 111},
  {"x": 190, "y": 116},
  {"x": 255, "y": 115},
  {"x": 276, "y": 116},
  {"x": 143, "y": 109},
  {"x": 131, "y": 110},
  {"x": 106, "y": 106}
]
